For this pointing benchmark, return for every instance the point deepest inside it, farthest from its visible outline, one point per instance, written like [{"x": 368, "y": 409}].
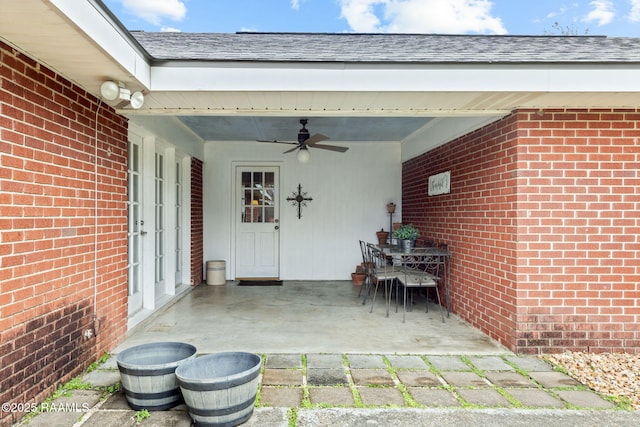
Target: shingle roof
[{"x": 404, "y": 48}]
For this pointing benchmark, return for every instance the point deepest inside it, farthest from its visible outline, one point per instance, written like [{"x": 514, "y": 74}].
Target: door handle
[
  {"x": 142, "y": 232},
  {"x": 276, "y": 228}
]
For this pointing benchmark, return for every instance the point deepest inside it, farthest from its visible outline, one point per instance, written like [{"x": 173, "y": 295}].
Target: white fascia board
[
  {"x": 97, "y": 26},
  {"x": 398, "y": 77}
]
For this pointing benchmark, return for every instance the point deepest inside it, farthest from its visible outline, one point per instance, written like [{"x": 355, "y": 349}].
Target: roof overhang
[{"x": 85, "y": 43}]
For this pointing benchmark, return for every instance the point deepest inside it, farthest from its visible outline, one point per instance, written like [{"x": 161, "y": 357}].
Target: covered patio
[
  {"x": 111, "y": 211},
  {"x": 306, "y": 317}
]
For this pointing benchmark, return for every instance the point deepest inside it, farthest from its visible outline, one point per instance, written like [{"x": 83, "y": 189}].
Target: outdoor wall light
[
  {"x": 111, "y": 91},
  {"x": 303, "y": 155}
]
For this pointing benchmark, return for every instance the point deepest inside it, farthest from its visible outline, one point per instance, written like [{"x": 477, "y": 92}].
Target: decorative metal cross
[{"x": 300, "y": 199}]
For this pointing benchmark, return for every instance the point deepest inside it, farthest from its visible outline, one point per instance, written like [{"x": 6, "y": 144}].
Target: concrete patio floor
[{"x": 306, "y": 317}]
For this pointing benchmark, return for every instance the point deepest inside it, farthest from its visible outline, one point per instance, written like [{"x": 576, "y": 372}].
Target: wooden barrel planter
[
  {"x": 147, "y": 374},
  {"x": 220, "y": 389}
]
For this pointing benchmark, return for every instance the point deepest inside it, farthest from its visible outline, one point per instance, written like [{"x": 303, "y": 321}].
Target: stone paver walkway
[{"x": 311, "y": 389}]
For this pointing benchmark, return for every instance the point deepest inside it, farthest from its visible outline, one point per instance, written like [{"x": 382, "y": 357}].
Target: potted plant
[
  {"x": 406, "y": 235},
  {"x": 382, "y": 236},
  {"x": 359, "y": 275}
]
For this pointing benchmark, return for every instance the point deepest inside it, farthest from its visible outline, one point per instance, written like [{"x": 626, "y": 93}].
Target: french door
[
  {"x": 159, "y": 234},
  {"x": 178, "y": 229},
  {"x": 135, "y": 231},
  {"x": 257, "y": 222}
]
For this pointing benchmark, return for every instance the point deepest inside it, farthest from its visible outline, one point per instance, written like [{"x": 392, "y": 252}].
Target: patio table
[{"x": 425, "y": 255}]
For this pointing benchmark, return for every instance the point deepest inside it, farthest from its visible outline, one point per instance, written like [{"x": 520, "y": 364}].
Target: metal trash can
[{"x": 216, "y": 272}]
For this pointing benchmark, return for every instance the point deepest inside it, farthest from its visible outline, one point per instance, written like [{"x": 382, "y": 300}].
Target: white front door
[{"x": 257, "y": 222}]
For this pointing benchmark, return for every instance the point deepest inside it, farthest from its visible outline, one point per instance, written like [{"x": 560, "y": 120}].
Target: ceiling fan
[{"x": 306, "y": 141}]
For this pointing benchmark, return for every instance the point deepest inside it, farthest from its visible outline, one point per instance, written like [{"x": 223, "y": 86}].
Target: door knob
[{"x": 276, "y": 228}]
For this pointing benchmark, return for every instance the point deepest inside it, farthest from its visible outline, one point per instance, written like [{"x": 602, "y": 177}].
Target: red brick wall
[
  {"x": 197, "y": 223},
  {"x": 52, "y": 265},
  {"x": 543, "y": 223},
  {"x": 579, "y": 228},
  {"x": 477, "y": 220}
]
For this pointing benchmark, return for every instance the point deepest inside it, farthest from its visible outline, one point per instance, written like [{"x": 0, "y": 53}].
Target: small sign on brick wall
[{"x": 440, "y": 183}]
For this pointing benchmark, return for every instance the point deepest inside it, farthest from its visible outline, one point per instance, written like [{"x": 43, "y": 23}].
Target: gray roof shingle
[{"x": 387, "y": 48}]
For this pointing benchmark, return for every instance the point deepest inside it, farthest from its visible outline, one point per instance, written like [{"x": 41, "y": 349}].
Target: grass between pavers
[
  {"x": 410, "y": 402},
  {"x": 621, "y": 403},
  {"x": 64, "y": 390}
]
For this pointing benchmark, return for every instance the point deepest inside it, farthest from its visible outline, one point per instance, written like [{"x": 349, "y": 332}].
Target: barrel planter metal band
[
  {"x": 154, "y": 401},
  {"x": 219, "y": 385},
  {"x": 147, "y": 374},
  {"x": 225, "y": 411},
  {"x": 220, "y": 389}
]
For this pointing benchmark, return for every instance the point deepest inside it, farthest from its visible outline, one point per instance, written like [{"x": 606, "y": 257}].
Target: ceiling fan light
[{"x": 303, "y": 155}]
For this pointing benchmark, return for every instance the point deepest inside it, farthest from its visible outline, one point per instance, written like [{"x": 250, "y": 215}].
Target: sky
[{"x": 619, "y": 18}]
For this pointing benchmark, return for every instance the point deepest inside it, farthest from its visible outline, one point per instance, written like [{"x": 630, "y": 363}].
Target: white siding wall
[{"x": 350, "y": 192}]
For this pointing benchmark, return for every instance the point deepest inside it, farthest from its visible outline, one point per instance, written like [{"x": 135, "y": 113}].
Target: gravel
[{"x": 611, "y": 374}]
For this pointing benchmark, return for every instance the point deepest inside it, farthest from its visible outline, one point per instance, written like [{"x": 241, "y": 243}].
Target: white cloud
[
  {"x": 153, "y": 11},
  {"x": 559, "y": 12},
  {"x": 603, "y": 12},
  {"x": 170, "y": 30},
  {"x": 422, "y": 16},
  {"x": 295, "y": 4},
  {"x": 634, "y": 14},
  {"x": 360, "y": 14}
]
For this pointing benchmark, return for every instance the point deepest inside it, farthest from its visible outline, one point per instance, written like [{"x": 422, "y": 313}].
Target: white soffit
[{"x": 75, "y": 39}]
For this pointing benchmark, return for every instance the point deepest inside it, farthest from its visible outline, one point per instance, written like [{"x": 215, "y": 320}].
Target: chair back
[
  {"x": 363, "y": 250},
  {"x": 434, "y": 266}
]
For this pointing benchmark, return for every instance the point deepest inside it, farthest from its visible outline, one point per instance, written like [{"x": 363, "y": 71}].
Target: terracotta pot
[
  {"x": 391, "y": 207},
  {"x": 382, "y": 237},
  {"x": 357, "y": 278}
]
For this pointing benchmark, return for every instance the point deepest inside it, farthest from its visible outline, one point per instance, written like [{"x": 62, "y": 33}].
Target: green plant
[
  {"x": 406, "y": 232},
  {"x": 96, "y": 364},
  {"x": 142, "y": 415}
]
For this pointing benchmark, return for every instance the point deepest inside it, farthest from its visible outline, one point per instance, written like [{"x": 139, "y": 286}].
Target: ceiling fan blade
[
  {"x": 315, "y": 138},
  {"x": 293, "y": 149},
  {"x": 277, "y": 142},
  {"x": 330, "y": 147}
]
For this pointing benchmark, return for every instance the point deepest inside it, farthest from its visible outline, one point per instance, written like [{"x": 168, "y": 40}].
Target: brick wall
[
  {"x": 543, "y": 223},
  {"x": 477, "y": 220},
  {"x": 197, "y": 223},
  {"x": 579, "y": 228},
  {"x": 63, "y": 230}
]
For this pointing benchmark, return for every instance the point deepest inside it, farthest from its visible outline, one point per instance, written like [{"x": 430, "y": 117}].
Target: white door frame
[{"x": 154, "y": 296}]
